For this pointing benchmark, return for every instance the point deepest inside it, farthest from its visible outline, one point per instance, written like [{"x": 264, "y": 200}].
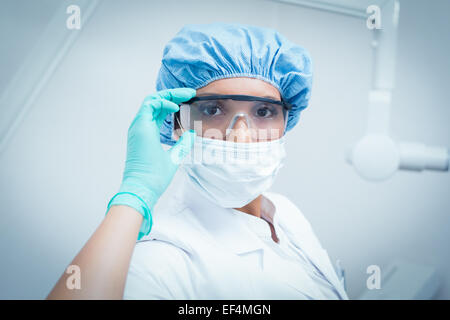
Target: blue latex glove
[{"x": 149, "y": 169}]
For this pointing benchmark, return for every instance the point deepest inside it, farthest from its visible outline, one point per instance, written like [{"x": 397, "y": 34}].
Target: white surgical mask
[{"x": 232, "y": 174}]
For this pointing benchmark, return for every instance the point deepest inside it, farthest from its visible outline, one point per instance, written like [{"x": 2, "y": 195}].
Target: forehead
[{"x": 241, "y": 86}]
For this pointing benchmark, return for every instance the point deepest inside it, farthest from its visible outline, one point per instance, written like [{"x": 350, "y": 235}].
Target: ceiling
[{"x": 355, "y": 8}]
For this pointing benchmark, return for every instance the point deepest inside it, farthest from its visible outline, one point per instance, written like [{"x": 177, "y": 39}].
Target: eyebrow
[{"x": 217, "y": 94}]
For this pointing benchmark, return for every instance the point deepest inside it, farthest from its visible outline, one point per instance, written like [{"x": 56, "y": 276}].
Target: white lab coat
[{"x": 197, "y": 250}]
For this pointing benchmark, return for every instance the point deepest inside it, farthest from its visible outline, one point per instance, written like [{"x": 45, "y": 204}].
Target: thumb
[{"x": 182, "y": 148}]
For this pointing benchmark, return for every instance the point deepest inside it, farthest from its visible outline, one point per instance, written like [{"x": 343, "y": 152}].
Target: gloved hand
[{"x": 149, "y": 169}]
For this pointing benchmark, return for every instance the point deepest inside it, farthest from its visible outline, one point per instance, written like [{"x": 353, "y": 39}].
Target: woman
[{"x": 227, "y": 94}]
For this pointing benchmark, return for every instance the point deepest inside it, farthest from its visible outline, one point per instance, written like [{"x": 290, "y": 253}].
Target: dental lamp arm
[{"x": 376, "y": 156}]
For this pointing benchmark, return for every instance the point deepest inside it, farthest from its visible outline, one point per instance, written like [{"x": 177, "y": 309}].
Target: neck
[{"x": 253, "y": 208}]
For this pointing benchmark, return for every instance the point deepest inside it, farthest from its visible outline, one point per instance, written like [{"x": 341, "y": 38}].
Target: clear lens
[{"x": 219, "y": 118}]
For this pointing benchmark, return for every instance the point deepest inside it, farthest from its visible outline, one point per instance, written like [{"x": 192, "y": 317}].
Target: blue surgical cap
[{"x": 202, "y": 53}]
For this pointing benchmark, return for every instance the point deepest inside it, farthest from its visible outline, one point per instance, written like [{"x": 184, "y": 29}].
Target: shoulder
[
  {"x": 158, "y": 270},
  {"x": 145, "y": 252}
]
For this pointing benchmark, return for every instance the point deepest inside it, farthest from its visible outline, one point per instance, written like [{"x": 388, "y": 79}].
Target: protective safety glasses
[{"x": 218, "y": 115}]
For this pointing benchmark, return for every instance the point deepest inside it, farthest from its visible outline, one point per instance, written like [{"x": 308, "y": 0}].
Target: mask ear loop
[{"x": 179, "y": 123}]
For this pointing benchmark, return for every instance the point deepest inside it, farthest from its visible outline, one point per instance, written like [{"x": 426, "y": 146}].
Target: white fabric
[
  {"x": 198, "y": 250},
  {"x": 286, "y": 256},
  {"x": 252, "y": 167}
]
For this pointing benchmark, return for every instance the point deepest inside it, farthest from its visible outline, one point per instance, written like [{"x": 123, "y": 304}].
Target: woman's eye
[
  {"x": 264, "y": 112},
  {"x": 211, "y": 110}
]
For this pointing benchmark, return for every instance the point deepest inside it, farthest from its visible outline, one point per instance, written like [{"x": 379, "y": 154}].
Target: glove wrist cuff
[{"x": 136, "y": 202}]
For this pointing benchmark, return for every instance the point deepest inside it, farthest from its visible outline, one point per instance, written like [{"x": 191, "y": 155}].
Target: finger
[
  {"x": 182, "y": 148},
  {"x": 161, "y": 117},
  {"x": 177, "y": 95},
  {"x": 156, "y": 108}
]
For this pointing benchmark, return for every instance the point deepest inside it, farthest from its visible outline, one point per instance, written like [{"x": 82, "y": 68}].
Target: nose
[{"x": 239, "y": 130}]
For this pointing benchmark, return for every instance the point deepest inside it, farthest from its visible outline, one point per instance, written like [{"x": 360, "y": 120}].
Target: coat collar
[{"x": 229, "y": 228}]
